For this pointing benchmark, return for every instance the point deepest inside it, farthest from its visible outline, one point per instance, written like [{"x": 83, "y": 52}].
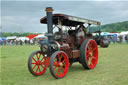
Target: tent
[
  {"x": 2, "y": 38},
  {"x": 41, "y": 36},
  {"x": 11, "y": 38},
  {"x": 104, "y": 33},
  {"x": 32, "y": 36},
  {"x": 124, "y": 33},
  {"x": 22, "y": 38}
]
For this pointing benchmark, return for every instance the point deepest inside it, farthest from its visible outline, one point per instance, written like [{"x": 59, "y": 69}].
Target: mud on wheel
[
  {"x": 36, "y": 63},
  {"x": 89, "y": 54},
  {"x": 59, "y": 64}
]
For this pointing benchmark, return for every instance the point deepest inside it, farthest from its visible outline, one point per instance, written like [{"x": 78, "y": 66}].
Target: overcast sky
[{"x": 24, "y": 16}]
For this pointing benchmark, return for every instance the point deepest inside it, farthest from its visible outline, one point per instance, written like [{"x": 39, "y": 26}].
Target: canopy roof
[
  {"x": 2, "y": 38},
  {"x": 11, "y": 38},
  {"x": 41, "y": 36},
  {"x": 32, "y": 36},
  {"x": 22, "y": 38},
  {"x": 124, "y": 33},
  {"x": 68, "y": 20}
]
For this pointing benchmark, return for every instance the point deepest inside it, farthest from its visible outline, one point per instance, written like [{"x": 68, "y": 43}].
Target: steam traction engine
[{"x": 64, "y": 47}]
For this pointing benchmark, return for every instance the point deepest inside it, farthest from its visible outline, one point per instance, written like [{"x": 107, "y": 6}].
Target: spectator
[
  {"x": 1, "y": 42},
  {"x": 26, "y": 42},
  {"x": 126, "y": 38},
  {"x": 21, "y": 42},
  {"x": 120, "y": 39},
  {"x": 31, "y": 42}
]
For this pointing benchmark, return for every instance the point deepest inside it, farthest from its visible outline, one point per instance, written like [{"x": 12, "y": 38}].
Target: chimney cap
[{"x": 48, "y": 9}]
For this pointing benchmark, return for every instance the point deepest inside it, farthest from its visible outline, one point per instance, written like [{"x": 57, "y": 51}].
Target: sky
[{"x": 24, "y": 16}]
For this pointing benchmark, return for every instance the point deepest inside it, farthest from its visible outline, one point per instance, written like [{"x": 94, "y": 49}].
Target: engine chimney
[{"x": 49, "y": 23}]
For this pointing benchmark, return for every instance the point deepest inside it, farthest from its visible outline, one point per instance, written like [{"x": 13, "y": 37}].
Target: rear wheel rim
[
  {"x": 60, "y": 65},
  {"x": 37, "y": 63},
  {"x": 91, "y": 53}
]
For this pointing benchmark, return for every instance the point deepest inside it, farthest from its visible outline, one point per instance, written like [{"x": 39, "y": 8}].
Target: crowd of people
[
  {"x": 126, "y": 38},
  {"x": 19, "y": 42},
  {"x": 114, "y": 39},
  {"x": 117, "y": 39}
]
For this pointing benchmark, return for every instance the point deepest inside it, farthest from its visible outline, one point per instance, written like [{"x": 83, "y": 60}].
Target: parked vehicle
[{"x": 101, "y": 40}]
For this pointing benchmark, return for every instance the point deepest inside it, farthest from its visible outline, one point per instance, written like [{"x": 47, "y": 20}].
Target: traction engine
[{"x": 71, "y": 43}]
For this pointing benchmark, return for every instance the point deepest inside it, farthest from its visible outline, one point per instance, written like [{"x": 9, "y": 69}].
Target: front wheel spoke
[
  {"x": 37, "y": 57},
  {"x": 54, "y": 68},
  {"x": 33, "y": 63},
  {"x": 43, "y": 62},
  {"x": 58, "y": 71},
  {"x": 55, "y": 60},
  {"x": 55, "y": 63},
  {"x": 42, "y": 59},
  {"x": 63, "y": 61},
  {"x": 34, "y": 59},
  {"x": 63, "y": 68},
  {"x": 60, "y": 59},
  {"x": 34, "y": 66},
  {"x": 37, "y": 69},
  {"x": 60, "y": 55}
]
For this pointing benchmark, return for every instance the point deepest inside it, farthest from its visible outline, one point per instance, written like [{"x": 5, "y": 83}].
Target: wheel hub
[
  {"x": 91, "y": 54},
  {"x": 59, "y": 64},
  {"x": 38, "y": 63}
]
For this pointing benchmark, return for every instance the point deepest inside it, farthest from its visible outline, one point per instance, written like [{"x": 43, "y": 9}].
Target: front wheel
[
  {"x": 89, "y": 54},
  {"x": 59, "y": 64},
  {"x": 36, "y": 63}
]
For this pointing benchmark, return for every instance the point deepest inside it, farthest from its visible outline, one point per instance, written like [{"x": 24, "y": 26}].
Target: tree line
[
  {"x": 114, "y": 27},
  {"x": 5, "y": 34}
]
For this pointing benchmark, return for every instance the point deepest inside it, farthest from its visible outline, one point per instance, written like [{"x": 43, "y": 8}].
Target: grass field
[{"x": 112, "y": 68}]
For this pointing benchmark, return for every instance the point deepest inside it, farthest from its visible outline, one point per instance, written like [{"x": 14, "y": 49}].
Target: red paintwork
[
  {"x": 61, "y": 64},
  {"x": 68, "y": 45},
  {"x": 91, "y": 54},
  {"x": 39, "y": 63},
  {"x": 46, "y": 62},
  {"x": 113, "y": 32},
  {"x": 31, "y": 36}
]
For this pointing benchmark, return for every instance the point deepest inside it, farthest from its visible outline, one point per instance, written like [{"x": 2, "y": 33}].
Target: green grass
[{"x": 112, "y": 68}]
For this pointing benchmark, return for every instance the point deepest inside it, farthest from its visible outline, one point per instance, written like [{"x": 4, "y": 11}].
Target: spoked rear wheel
[
  {"x": 59, "y": 64},
  {"x": 36, "y": 63},
  {"x": 89, "y": 54}
]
